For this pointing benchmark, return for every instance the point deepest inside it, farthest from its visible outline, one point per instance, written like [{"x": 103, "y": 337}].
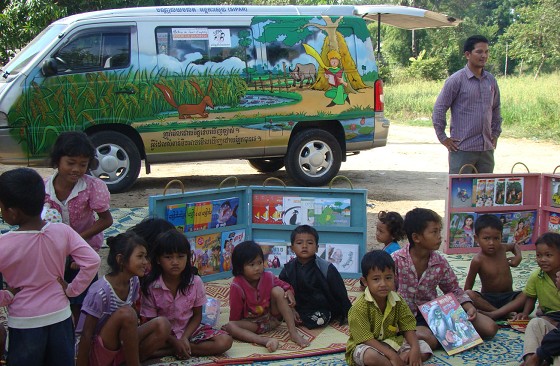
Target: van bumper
[{"x": 381, "y": 130}]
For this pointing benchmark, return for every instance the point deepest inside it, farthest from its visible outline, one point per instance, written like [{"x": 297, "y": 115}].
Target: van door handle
[{"x": 125, "y": 91}]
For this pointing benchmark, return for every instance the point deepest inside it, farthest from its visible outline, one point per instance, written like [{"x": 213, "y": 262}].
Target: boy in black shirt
[{"x": 319, "y": 288}]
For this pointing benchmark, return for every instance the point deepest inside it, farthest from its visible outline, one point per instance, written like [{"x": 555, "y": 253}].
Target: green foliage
[
  {"x": 427, "y": 68},
  {"x": 22, "y": 20},
  {"x": 529, "y": 107}
]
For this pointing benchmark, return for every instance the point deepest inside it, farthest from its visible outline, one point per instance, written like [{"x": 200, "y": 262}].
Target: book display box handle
[
  {"x": 554, "y": 171},
  {"x": 520, "y": 163},
  {"x": 171, "y": 182},
  {"x": 229, "y": 178},
  {"x": 274, "y": 179},
  {"x": 343, "y": 178},
  {"x": 468, "y": 165}
]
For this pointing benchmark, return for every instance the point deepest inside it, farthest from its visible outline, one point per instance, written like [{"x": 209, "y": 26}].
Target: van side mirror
[{"x": 49, "y": 67}]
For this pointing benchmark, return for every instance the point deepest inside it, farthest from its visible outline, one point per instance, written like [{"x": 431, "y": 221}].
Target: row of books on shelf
[
  {"x": 203, "y": 215},
  {"x": 486, "y": 192},
  {"x": 211, "y": 253},
  {"x": 276, "y": 209},
  {"x": 519, "y": 227}
]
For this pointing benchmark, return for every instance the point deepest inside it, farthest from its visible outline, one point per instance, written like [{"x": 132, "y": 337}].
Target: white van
[{"x": 293, "y": 86}]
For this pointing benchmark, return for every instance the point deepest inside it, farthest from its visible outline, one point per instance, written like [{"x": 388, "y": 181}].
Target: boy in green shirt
[{"x": 380, "y": 318}]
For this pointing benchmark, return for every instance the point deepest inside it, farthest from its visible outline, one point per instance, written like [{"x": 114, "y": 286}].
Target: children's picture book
[
  {"x": 189, "y": 223},
  {"x": 206, "y": 253},
  {"x": 514, "y": 191},
  {"x": 176, "y": 215},
  {"x": 518, "y": 325},
  {"x": 500, "y": 192},
  {"x": 307, "y": 211},
  {"x": 519, "y": 226},
  {"x": 450, "y": 324},
  {"x": 267, "y": 209},
  {"x": 555, "y": 192},
  {"x": 332, "y": 212},
  {"x": 343, "y": 256},
  {"x": 461, "y": 191},
  {"x": 554, "y": 222},
  {"x": 479, "y": 192},
  {"x": 224, "y": 212},
  {"x": 461, "y": 230},
  {"x": 293, "y": 212},
  {"x": 275, "y": 253},
  {"x": 202, "y": 215},
  {"x": 489, "y": 193},
  {"x": 229, "y": 240}
]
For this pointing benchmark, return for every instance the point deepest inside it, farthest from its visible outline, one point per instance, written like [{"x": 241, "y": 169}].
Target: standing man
[{"x": 474, "y": 98}]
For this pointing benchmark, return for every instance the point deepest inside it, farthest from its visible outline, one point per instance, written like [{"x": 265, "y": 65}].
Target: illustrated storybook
[
  {"x": 176, "y": 214},
  {"x": 518, "y": 226},
  {"x": 518, "y": 325},
  {"x": 343, "y": 256},
  {"x": 554, "y": 223},
  {"x": 275, "y": 253},
  {"x": 555, "y": 192},
  {"x": 461, "y": 230},
  {"x": 450, "y": 324},
  {"x": 229, "y": 240},
  {"x": 462, "y": 191}
]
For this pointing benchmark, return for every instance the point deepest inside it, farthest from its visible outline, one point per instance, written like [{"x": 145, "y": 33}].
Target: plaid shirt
[{"x": 475, "y": 110}]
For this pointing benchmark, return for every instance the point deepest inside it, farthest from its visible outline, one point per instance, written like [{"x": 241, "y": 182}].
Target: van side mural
[{"x": 189, "y": 110}]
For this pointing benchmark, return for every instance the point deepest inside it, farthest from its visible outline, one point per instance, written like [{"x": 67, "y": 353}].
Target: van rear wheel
[
  {"x": 119, "y": 160},
  {"x": 314, "y": 157},
  {"x": 269, "y": 165}
]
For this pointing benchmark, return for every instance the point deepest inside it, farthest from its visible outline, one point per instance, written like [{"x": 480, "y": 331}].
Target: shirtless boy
[{"x": 496, "y": 298}]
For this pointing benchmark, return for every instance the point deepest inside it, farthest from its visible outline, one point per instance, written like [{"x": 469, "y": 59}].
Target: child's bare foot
[
  {"x": 299, "y": 340},
  {"x": 272, "y": 345}
]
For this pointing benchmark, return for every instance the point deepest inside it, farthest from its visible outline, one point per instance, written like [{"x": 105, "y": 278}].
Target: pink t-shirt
[
  {"x": 33, "y": 260},
  {"x": 247, "y": 302},
  {"x": 89, "y": 195},
  {"x": 178, "y": 310}
]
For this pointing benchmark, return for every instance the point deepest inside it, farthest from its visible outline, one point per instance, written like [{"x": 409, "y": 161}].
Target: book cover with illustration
[
  {"x": 450, "y": 324},
  {"x": 519, "y": 226},
  {"x": 267, "y": 209},
  {"x": 555, "y": 192},
  {"x": 176, "y": 215},
  {"x": 514, "y": 191},
  {"x": 554, "y": 223},
  {"x": 479, "y": 192},
  {"x": 275, "y": 253},
  {"x": 461, "y": 230},
  {"x": 489, "y": 193},
  {"x": 518, "y": 325},
  {"x": 343, "y": 256},
  {"x": 308, "y": 211},
  {"x": 202, "y": 215},
  {"x": 293, "y": 212},
  {"x": 189, "y": 222},
  {"x": 229, "y": 240},
  {"x": 206, "y": 253},
  {"x": 224, "y": 212},
  {"x": 461, "y": 192},
  {"x": 332, "y": 211},
  {"x": 500, "y": 192},
  {"x": 321, "y": 252}
]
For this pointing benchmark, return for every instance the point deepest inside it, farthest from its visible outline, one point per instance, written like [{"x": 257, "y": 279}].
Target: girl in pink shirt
[
  {"x": 78, "y": 197},
  {"x": 258, "y": 300},
  {"x": 171, "y": 290}
]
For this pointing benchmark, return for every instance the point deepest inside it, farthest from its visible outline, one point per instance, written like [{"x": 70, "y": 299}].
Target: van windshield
[{"x": 28, "y": 53}]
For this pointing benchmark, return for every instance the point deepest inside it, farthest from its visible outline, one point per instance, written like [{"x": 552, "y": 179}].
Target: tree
[{"x": 534, "y": 37}]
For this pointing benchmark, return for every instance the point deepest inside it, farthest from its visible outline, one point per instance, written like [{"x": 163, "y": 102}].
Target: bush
[{"x": 429, "y": 68}]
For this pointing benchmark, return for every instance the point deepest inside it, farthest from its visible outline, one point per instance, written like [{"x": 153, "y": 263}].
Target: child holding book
[
  {"x": 496, "y": 298},
  {"x": 389, "y": 230},
  {"x": 258, "y": 300},
  {"x": 420, "y": 269},
  {"x": 108, "y": 328},
  {"x": 173, "y": 291},
  {"x": 81, "y": 199},
  {"x": 380, "y": 318},
  {"x": 33, "y": 256},
  {"x": 320, "y": 292}
]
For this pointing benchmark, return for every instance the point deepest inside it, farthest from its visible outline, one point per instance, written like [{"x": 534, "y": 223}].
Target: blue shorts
[{"x": 51, "y": 345}]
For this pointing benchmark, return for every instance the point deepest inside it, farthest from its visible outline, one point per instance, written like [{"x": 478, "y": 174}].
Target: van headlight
[{"x": 3, "y": 119}]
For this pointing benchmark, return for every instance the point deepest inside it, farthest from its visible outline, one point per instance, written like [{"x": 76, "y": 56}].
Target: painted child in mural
[{"x": 337, "y": 80}]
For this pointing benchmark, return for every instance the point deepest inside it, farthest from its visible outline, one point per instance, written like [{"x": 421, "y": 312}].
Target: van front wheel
[
  {"x": 119, "y": 160},
  {"x": 269, "y": 165},
  {"x": 314, "y": 157}
]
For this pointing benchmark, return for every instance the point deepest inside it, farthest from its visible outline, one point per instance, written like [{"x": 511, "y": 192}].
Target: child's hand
[
  {"x": 297, "y": 318},
  {"x": 521, "y": 316},
  {"x": 470, "y": 310},
  {"x": 514, "y": 261},
  {"x": 291, "y": 298},
  {"x": 395, "y": 359},
  {"x": 412, "y": 357},
  {"x": 13, "y": 290},
  {"x": 182, "y": 349},
  {"x": 63, "y": 283},
  {"x": 74, "y": 266}
]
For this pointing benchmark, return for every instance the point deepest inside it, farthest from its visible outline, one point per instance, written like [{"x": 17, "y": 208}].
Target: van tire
[
  {"x": 119, "y": 160},
  {"x": 265, "y": 165},
  {"x": 314, "y": 157}
]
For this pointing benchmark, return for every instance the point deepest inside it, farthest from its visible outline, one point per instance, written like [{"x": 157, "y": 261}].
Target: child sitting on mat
[{"x": 258, "y": 300}]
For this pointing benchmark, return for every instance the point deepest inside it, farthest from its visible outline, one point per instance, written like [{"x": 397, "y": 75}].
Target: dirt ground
[{"x": 411, "y": 171}]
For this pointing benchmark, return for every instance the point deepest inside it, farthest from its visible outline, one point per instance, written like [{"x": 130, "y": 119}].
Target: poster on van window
[
  {"x": 189, "y": 34},
  {"x": 219, "y": 38}
]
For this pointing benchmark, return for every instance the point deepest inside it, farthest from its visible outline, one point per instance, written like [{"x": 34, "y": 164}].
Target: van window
[
  {"x": 94, "y": 52},
  {"x": 200, "y": 45}
]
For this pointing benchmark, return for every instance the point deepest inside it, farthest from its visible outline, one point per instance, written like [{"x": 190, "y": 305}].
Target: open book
[{"x": 450, "y": 324}]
